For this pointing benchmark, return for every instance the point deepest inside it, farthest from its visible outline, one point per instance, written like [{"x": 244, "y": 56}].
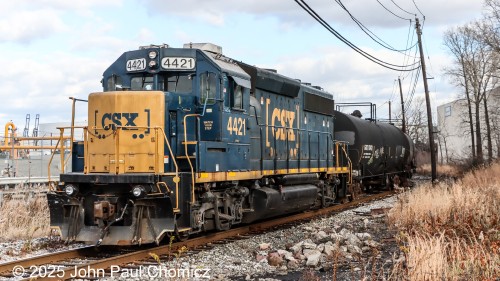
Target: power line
[
  {"x": 402, "y": 9},
  {"x": 412, "y": 94},
  {"x": 391, "y": 11},
  {"x": 418, "y": 9},
  {"x": 318, "y": 18},
  {"x": 427, "y": 51},
  {"x": 370, "y": 33},
  {"x": 393, "y": 87},
  {"x": 407, "y": 41},
  {"x": 414, "y": 58}
]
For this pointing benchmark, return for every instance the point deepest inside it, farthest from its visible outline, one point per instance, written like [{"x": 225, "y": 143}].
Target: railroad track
[{"x": 64, "y": 265}]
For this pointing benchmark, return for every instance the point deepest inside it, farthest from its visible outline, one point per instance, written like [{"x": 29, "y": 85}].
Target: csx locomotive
[{"x": 186, "y": 140}]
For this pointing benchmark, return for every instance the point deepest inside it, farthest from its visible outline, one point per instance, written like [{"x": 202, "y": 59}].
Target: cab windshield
[
  {"x": 178, "y": 83},
  {"x": 175, "y": 83}
]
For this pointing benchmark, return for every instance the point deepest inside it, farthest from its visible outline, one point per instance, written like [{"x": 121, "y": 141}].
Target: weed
[
  {"x": 309, "y": 275},
  {"x": 450, "y": 231},
  {"x": 22, "y": 218}
]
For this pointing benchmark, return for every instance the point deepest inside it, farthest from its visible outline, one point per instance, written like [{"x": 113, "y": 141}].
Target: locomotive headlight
[
  {"x": 152, "y": 55},
  {"x": 138, "y": 191},
  {"x": 71, "y": 189}
]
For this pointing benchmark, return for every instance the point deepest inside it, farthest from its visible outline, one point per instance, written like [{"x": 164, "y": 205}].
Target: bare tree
[
  {"x": 443, "y": 136},
  {"x": 475, "y": 67},
  {"x": 459, "y": 46},
  {"x": 495, "y": 120},
  {"x": 488, "y": 30},
  {"x": 417, "y": 121}
]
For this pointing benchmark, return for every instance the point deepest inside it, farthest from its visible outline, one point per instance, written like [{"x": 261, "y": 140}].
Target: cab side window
[
  {"x": 208, "y": 88},
  {"x": 114, "y": 82},
  {"x": 235, "y": 95}
]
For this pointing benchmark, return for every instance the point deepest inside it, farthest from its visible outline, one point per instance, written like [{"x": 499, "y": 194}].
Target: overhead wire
[
  {"x": 380, "y": 62},
  {"x": 418, "y": 9},
  {"x": 427, "y": 50},
  {"x": 406, "y": 57},
  {"x": 402, "y": 8},
  {"x": 412, "y": 94},
  {"x": 378, "y": 107},
  {"x": 393, "y": 87},
  {"x": 391, "y": 11},
  {"x": 412, "y": 86},
  {"x": 414, "y": 58},
  {"x": 370, "y": 33}
]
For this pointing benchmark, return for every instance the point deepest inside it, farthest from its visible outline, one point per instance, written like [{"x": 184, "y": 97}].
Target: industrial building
[{"x": 454, "y": 134}]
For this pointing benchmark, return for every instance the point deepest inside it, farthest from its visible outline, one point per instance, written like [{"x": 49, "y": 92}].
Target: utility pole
[
  {"x": 402, "y": 106},
  {"x": 428, "y": 102}
]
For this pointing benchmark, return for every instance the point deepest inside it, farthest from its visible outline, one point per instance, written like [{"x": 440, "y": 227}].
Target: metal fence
[
  {"x": 33, "y": 165},
  {"x": 21, "y": 195}
]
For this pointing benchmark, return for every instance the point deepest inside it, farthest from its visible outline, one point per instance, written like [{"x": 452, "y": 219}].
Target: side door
[{"x": 235, "y": 123}]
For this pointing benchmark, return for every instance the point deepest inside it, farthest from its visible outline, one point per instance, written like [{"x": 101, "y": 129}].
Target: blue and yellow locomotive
[{"x": 186, "y": 140}]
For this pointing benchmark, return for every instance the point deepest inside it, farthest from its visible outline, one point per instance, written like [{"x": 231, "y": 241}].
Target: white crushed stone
[{"x": 240, "y": 258}]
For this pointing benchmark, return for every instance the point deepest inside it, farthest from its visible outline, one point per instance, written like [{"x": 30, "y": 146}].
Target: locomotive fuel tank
[{"x": 375, "y": 148}]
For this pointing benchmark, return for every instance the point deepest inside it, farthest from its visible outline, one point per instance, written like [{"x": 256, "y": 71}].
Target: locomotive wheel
[{"x": 181, "y": 235}]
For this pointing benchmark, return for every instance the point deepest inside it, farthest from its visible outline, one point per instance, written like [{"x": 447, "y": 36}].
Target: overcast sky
[{"x": 54, "y": 49}]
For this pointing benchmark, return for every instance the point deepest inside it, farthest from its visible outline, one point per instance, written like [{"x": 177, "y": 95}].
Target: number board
[
  {"x": 178, "y": 63},
  {"x": 136, "y": 64}
]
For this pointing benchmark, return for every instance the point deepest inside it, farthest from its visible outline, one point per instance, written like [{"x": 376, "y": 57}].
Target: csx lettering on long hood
[{"x": 283, "y": 118}]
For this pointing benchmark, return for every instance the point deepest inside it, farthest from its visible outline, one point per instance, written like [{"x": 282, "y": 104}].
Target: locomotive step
[{"x": 225, "y": 217}]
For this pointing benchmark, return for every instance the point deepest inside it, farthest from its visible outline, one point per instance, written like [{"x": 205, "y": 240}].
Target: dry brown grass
[
  {"x": 24, "y": 218},
  {"x": 442, "y": 170},
  {"x": 452, "y": 232}
]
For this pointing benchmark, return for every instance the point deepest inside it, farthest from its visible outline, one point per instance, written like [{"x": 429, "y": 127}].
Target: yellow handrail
[
  {"x": 187, "y": 156},
  {"x": 349, "y": 161},
  {"x": 176, "y": 178},
  {"x": 50, "y": 162},
  {"x": 117, "y": 150}
]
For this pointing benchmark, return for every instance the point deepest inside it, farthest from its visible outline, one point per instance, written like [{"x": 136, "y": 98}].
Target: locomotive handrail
[
  {"x": 299, "y": 131},
  {"x": 187, "y": 155},
  {"x": 61, "y": 150},
  {"x": 274, "y": 128},
  {"x": 117, "y": 150},
  {"x": 176, "y": 179},
  {"x": 348, "y": 160},
  {"x": 50, "y": 162},
  {"x": 115, "y": 130}
]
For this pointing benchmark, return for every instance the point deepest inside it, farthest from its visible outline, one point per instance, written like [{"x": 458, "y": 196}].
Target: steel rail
[
  {"x": 170, "y": 249},
  {"x": 6, "y": 268}
]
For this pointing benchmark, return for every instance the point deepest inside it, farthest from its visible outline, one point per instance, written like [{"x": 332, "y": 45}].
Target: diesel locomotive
[{"x": 186, "y": 140}]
